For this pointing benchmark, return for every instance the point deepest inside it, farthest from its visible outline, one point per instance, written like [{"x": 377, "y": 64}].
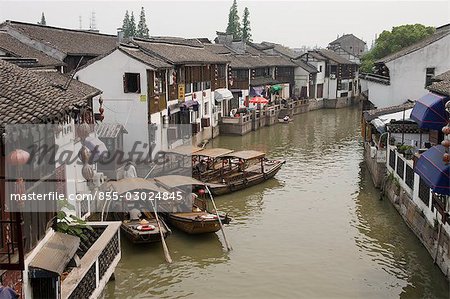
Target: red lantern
[
  {"x": 18, "y": 157},
  {"x": 201, "y": 191},
  {"x": 446, "y": 130},
  {"x": 446, "y": 158},
  {"x": 101, "y": 110}
]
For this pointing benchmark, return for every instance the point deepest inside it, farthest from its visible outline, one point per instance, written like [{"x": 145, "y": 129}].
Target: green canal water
[{"x": 318, "y": 230}]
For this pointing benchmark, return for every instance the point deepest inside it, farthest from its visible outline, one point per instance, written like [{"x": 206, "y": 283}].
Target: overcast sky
[{"x": 292, "y": 23}]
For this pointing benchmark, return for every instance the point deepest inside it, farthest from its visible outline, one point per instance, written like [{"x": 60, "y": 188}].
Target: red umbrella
[{"x": 259, "y": 100}]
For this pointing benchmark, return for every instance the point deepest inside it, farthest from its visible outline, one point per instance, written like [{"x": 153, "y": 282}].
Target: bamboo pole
[
  {"x": 165, "y": 248},
  {"x": 220, "y": 221}
]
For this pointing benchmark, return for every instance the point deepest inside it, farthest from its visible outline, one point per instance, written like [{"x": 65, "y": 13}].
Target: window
[
  {"x": 350, "y": 86},
  {"x": 188, "y": 88},
  {"x": 197, "y": 86},
  {"x": 206, "y": 109},
  {"x": 221, "y": 71},
  {"x": 320, "y": 68},
  {"x": 207, "y": 85},
  {"x": 132, "y": 83},
  {"x": 429, "y": 76}
]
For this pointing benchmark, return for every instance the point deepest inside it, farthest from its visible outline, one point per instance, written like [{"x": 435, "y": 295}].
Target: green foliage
[
  {"x": 246, "y": 30},
  {"x": 42, "y": 22},
  {"x": 129, "y": 25},
  {"x": 389, "y": 42},
  {"x": 234, "y": 26},
  {"x": 142, "y": 29},
  {"x": 70, "y": 224},
  {"x": 404, "y": 148},
  {"x": 132, "y": 26}
]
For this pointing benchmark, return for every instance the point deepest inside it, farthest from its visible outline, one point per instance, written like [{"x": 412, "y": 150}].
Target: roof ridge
[{"x": 11, "y": 23}]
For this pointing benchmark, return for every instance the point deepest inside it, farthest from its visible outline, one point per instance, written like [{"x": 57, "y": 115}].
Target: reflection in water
[{"x": 318, "y": 230}]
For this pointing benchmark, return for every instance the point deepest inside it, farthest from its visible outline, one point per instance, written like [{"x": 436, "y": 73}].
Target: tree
[
  {"x": 142, "y": 29},
  {"x": 42, "y": 22},
  {"x": 246, "y": 31},
  {"x": 234, "y": 26},
  {"x": 389, "y": 42},
  {"x": 126, "y": 25},
  {"x": 132, "y": 26}
]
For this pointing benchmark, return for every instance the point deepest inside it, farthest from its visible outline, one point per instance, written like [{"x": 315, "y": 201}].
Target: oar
[
  {"x": 165, "y": 248},
  {"x": 218, "y": 217}
]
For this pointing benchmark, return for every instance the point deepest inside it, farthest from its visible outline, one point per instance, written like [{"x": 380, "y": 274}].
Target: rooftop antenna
[{"x": 93, "y": 25}]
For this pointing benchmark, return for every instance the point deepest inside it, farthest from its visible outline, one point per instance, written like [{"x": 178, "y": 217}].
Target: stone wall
[
  {"x": 414, "y": 217},
  {"x": 376, "y": 169},
  {"x": 315, "y": 104}
]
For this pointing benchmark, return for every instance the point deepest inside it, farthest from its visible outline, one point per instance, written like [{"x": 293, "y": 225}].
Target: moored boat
[
  {"x": 200, "y": 219},
  {"x": 140, "y": 231},
  {"x": 240, "y": 171}
]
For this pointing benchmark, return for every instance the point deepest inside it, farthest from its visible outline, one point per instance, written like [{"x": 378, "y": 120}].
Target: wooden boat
[
  {"x": 246, "y": 175},
  {"x": 138, "y": 232},
  {"x": 284, "y": 121},
  {"x": 200, "y": 220},
  {"x": 144, "y": 230}
]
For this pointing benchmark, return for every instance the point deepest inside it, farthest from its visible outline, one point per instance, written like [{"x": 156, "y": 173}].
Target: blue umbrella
[{"x": 432, "y": 169}]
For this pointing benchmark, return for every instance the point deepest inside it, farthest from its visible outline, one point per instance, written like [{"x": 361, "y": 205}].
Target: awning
[
  {"x": 189, "y": 103},
  {"x": 55, "y": 254},
  {"x": 132, "y": 184},
  {"x": 256, "y": 91},
  {"x": 97, "y": 147},
  {"x": 222, "y": 94},
  {"x": 429, "y": 112},
  {"x": 381, "y": 121},
  {"x": 432, "y": 169}
]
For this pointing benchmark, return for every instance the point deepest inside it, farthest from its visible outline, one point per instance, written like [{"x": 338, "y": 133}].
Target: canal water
[{"x": 318, "y": 230}]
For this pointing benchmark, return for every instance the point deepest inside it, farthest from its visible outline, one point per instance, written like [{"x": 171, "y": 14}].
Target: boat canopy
[
  {"x": 213, "y": 152},
  {"x": 184, "y": 150},
  {"x": 246, "y": 155},
  {"x": 173, "y": 181},
  {"x": 132, "y": 184}
]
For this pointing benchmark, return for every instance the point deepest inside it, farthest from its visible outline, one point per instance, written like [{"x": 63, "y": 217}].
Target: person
[
  {"x": 129, "y": 170},
  {"x": 135, "y": 213}
]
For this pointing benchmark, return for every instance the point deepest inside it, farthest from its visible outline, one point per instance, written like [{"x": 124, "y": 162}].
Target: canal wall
[
  {"x": 393, "y": 185},
  {"x": 428, "y": 233},
  {"x": 376, "y": 163}
]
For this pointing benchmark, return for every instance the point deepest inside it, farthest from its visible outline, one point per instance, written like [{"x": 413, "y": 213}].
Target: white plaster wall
[
  {"x": 408, "y": 74},
  {"x": 107, "y": 74}
]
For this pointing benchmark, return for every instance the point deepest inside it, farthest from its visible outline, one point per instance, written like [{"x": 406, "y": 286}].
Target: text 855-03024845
[{"x": 139, "y": 195}]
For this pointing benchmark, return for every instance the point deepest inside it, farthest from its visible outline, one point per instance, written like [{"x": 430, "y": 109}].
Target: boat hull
[
  {"x": 143, "y": 237},
  {"x": 193, "y": 226},
  {"x": 248, "y": 182}
]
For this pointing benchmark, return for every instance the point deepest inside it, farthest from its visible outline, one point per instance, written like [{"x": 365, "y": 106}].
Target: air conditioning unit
[
  {"x": 206, "y": 122},
  {"x": 98, "y": 179}
]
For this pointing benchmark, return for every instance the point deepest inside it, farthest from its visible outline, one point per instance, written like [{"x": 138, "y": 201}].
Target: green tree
[
  {"x": 246, "y": 31},
  {"x": 142, "y": 29},
  {"x": 234, "y": 26},
  {"x": 132, "y": 26},
  {"x": 389, "y": 42},
  {"x": 42, "y": 22},
  {"x": 126, "y": 25}
]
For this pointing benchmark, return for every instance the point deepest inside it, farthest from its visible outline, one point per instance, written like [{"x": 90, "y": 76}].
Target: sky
[{"x": 291, "y": 23}]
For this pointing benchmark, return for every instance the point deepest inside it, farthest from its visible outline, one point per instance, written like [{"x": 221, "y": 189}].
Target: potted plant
[{"x": 392, "y": 140}]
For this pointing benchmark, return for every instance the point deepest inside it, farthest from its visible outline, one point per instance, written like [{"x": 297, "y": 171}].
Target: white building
[{"x": 404, "y": 75}]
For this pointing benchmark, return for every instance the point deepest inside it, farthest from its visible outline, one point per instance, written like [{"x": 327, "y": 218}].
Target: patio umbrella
[
  {"x": 259, "y": 100},
  {"x": 432, "y": 169},
  {"x": 429, "y": 112}
]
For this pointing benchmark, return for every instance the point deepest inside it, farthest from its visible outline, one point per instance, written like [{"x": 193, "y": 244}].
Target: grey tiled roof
[
  {"x": 331, "y": 55},
  {"x": 442, "y": 85},
  {"x": 68, "y": 41},
  {"x": 15, "y": 48},
  {"x": 283, "y": 50},
  {"x": 417, "y": 46},
  {"x": 151, "y": 60},
  {"x": 178, "y": 53},
  {"x": 345, "y": 38},
  {"x": 374, "y": 113},
  {"x": 306, "y": 66},
  {"x": 35, "y": 97}
]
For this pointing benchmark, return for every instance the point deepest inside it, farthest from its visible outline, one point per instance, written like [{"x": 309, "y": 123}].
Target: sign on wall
[{"x": 181, "y": 92}]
